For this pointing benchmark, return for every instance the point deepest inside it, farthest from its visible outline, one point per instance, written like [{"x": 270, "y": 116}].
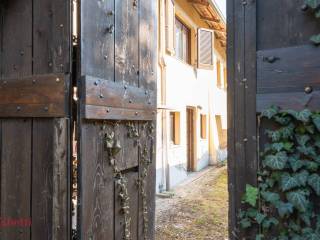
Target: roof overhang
[{"x": 210, "y": 13}]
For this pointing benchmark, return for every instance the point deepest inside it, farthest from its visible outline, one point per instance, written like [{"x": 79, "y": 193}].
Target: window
[
  {"x": 205, "y": 48},
  {"x": 203, "y": 119},
  {"x": 182, "y": 48},
  {"x": 175, "y": 127}
]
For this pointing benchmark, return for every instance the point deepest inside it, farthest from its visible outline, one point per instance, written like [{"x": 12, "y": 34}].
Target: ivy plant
[
  {"x": 285, "y": 203},
  {"x": 315, "y": 6}
]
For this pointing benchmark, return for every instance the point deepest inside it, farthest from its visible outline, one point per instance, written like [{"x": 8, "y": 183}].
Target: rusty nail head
[{"x": 46, "y": 109}]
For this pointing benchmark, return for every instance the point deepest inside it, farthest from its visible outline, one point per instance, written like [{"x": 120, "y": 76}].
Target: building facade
[{"x": 191, "y": 117}]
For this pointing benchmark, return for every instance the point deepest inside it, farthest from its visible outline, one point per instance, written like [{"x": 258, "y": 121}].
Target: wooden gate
[
  {"x": 117, "y": 111},
  {"x": 34, "y": 119},
  {"x": 271, "y": 61}
]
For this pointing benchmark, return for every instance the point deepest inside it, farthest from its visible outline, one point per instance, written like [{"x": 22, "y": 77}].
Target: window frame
[{"x": 188, "y": 48}]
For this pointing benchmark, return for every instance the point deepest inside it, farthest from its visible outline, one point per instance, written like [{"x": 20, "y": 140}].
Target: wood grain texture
[
  {"x": 97, "y": 39},
  {"x": 118, "y": 95},
  {"x": 42, "y": 179},
  {"x": 133, "y": 192},
  {"x": 231, "y": 43},
  {"x": 126, "y": 39},
  {"x": 97, "y": 185},
  {"x": 295, "y": 68},
  {"x": 51, "y": 36},
  {"x": 15, "y": 176},
  {"x": 290, "y": 26},
  {"x": 16, "y": 51},
  {"x": 148, "y": 44},
  {"x": 61, "y": 183},
  {"x": 35, "y": 96}
]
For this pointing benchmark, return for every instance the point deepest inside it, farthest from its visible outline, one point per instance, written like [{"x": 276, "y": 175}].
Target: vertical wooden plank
[
  {"x": 16, "y": 61},
  {"x": 231, "y": 119},
  {"x": 15, "y": 176},
  {"x": 126, "y": 39},
  {"x": 17, "y": 38},
  {"x": 250, "y": 64},
  {"x": 132, "y": 186},
  {"x": 97, "y": 186},
  {"x": 51, "y": 36},
  {"x": 97, "y": 38},
  {"x": 128, "y": 156},
  {"x": 148, "y": 44},
  {"x": 60, "y": 190},
  {"x": 239, "y": 167},
  {"x": 42, "y": 179},
  {"x": 147, "y": 141}
]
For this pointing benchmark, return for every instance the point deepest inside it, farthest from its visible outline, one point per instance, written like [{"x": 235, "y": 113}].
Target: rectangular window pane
[{"x": 182, "y": 41}]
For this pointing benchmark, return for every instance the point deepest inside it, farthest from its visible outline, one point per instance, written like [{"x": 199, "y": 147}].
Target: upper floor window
[{"x": 182, "y": 43}]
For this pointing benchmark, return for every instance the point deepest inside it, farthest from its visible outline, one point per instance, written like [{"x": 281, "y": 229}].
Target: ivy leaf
[
  {"x": 270, "y": 197},
  {"x": 268, "y": 222},
  {"x": 295, "y": 162},
  {"x": 306, "y": 218},
  {"x": 298, "y": 200},
  {"x": 312, "y": 3},
  {"x": 283, "y": 120},
  {"x": 307, "y": 150},
  {"x": 314, "y": 182},
  {"x": 302, "y": 177},
  {"x": 259, "y": 237},
  {"x": 275, "y": 136},
  {"x": 252, "y": 212},
  {"x": 303, "y": 116},
  {"x": 311, "y": 166},
  {"x": 295, "y": 227},
  {"x": 288, "y": 182},
  {"x": 316, "y": 118},
  {"x": 245, "y": 223},
  {"x": 251, "y": 195},
  {"x": 302, "y": 139},
  {"x": 315, "y": 39},
  {"x": 260, "y": 217},
  {"x": 277, "y": 161},
  {"x": 284, "y": 209},
  {"x": 287, "y": 132},
  {"x": 270, "y": 112}
]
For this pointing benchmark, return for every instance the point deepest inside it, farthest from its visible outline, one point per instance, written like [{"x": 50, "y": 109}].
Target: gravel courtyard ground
[{"x": 197, "y": 211}]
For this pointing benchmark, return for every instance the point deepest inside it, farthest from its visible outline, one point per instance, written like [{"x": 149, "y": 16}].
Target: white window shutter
[{"x": 205, "y": 48}]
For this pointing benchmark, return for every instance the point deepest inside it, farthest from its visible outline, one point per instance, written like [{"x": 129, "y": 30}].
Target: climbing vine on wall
[
  {"x": 314, "y": 5},
  {"x": 285, "y": 204}
]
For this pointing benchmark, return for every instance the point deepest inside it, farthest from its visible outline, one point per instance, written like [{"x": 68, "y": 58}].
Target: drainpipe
[{"x": 163, "y": 109}]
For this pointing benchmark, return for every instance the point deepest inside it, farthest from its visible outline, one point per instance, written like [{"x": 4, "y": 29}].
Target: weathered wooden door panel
[
  {"x": 271, "y": 61},
  {"x": 34, "y": 73},
  {"x": 117, "y": 111}
]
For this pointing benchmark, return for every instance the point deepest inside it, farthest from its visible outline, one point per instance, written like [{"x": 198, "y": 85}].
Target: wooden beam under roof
[
  {"x": 200, "y": 2},
  {"x": 210, "y": 19}
]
